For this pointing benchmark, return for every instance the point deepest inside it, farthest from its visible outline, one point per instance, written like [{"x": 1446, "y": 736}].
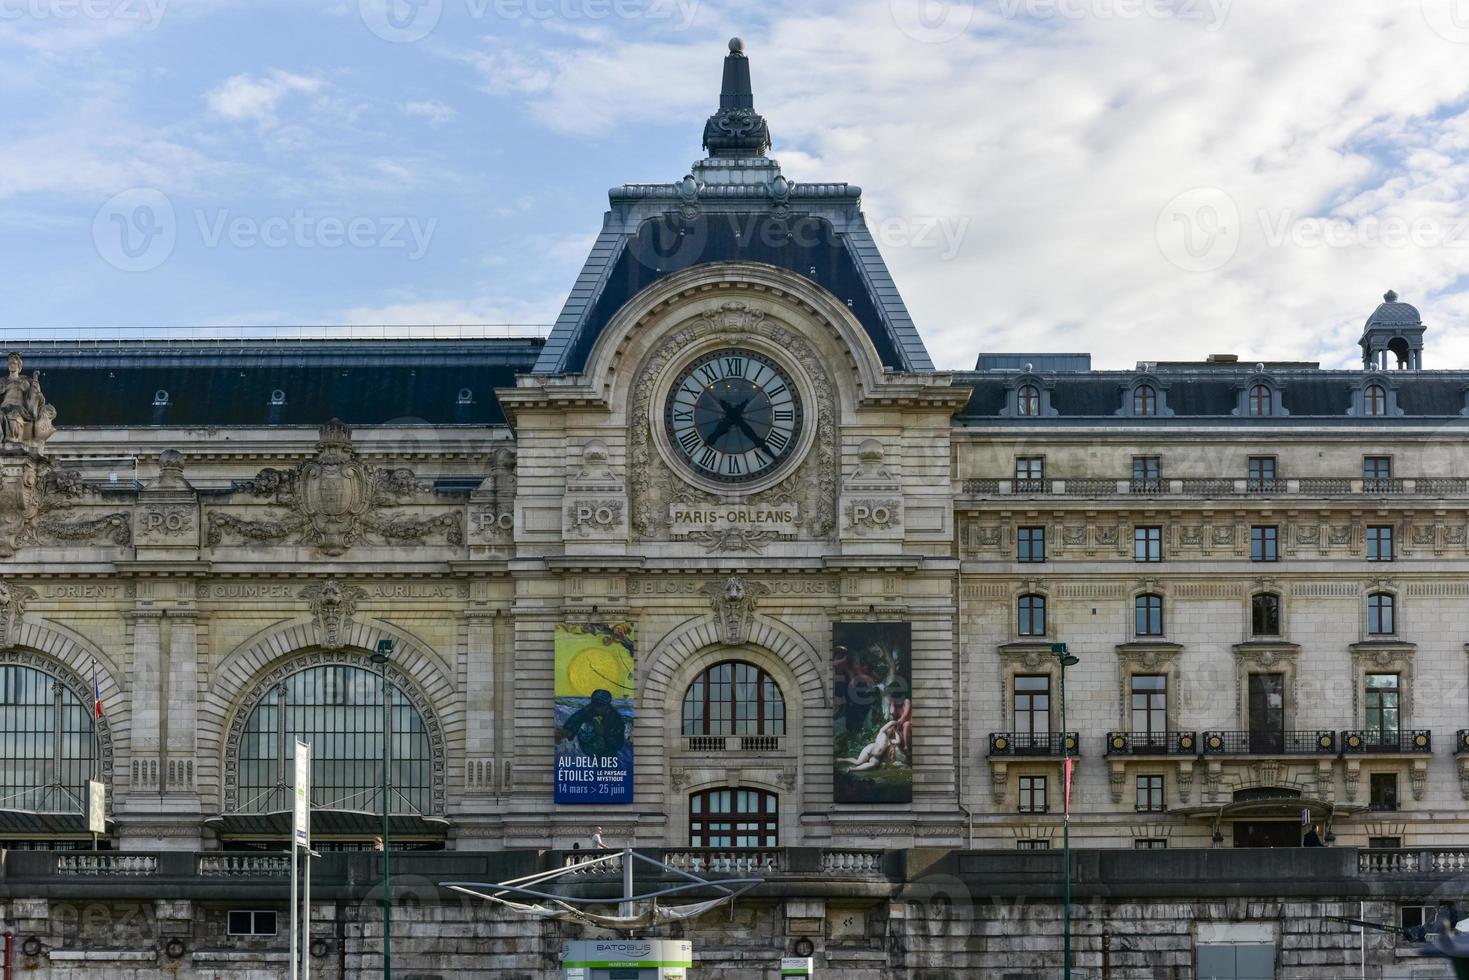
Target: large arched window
[
  {"x": 1262, "y": 400},
  {"x": 734, "y": 818},
  {"x": 47, "y": 744},
  {"x": 1028, "y": 400},
  {"x": 338, "y": 708},
  {"x": 734, "y": 698}
]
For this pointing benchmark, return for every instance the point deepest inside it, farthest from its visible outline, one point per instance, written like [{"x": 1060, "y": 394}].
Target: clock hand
[{"x": 757, "y": 440}]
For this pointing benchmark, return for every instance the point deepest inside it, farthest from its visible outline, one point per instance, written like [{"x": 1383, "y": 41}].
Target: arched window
[
  {"x": 1145, "y": 400},
  {"x": 1265, "y": 614},
  {"x": 1148, "y": 615},
  {"x": 1374, "y": 400},
  {"x": 1028, "y": 400},
  {"x": 47, "y": 744},
  {"x": 734, "y": 698},
  {"x": 1262, "y": 400},
  {"x": 1381, "y": 614},
  {"x": 1032, "y": 619},
  {"x": 734, "y": 818},
  {"x": 338, "y": 708}
]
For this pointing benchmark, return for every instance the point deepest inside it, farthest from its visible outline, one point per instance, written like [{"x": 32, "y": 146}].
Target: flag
[
  {"x": 96, "y": 693},
  {"x": 1067, "y": 767}
]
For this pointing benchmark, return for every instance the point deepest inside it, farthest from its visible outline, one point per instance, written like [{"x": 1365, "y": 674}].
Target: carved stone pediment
[
  {"x": 32, "y": 491},
  {"x": 334, "y": 501}
]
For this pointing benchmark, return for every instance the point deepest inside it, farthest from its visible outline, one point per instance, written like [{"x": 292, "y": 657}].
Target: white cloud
[
  {"x": 1060, "y": 139},
  {"x": 247, "y": 97},
  {"x": 434, "y": 113}
]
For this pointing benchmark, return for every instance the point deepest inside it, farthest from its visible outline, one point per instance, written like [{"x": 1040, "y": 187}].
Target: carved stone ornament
[
  {"x": 810, "y": 487},
  {"x": 31, "y": 490},
  {"x": 13, "y": 599},
  {"x": 332, "y": 606},
  {"x": 875, "y": 514},
  {"x": 26, "y": 420},
  {"x": 492, "y": 504},
  {"x": 734, "y": 601},
  {"x": 335, "y": 500}
]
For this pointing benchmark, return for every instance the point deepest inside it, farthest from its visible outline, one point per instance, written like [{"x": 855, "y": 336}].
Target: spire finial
[
  {"x": 736, "y": 130},
  {"x": 1391, "y": 296}
]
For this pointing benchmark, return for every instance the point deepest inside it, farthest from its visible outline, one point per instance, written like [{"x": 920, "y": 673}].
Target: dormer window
[
  {"x": 1145, "y": 401},
  {"x": 1262, "y": 400},
  {"x": 1374, "y": 400},
  {"x": 1259, "y": 396},
  {"x": 1028, "y": 401},
  {"x": 1376, "y": 396},
  {"x": 1028, "y": 397}
]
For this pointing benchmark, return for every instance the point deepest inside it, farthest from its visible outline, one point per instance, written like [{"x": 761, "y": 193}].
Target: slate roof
[
  {"x": 735, "y": 208},
  {"x": 1211, "y": 393},
  {"x": 232, "y": 383}
]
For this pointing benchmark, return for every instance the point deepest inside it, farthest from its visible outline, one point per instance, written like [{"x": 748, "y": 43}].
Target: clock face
[{"x": 733, "y": 415}]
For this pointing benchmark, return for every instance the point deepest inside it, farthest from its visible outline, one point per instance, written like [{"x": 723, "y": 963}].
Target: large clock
[{"x": 734, "y": 416}]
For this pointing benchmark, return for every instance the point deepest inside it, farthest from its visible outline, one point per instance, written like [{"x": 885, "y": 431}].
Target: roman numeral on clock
[{"x": 690, "y": 441}]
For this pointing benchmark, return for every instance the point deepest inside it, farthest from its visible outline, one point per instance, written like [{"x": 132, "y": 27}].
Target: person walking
[{"x": 597, "y": 842}]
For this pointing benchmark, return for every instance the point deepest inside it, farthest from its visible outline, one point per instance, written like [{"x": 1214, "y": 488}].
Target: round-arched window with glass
[
  {"x": 734, "y": 698},
  {"x": 1144, "y": 400},
  {"x": 734, "y": 818},
  {"x": 1262, "y": 400},
  {"x": 1374, "y": 400},
  {"x": 337, "y": 708},
  {"x": 1028, "y": 401},
  {"x": 47, "y": 743}
]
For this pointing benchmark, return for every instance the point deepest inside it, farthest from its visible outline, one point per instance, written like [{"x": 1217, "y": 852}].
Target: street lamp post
[
  {"x": 384, "y": 651},
  {"x": 1065, "y": 659}
]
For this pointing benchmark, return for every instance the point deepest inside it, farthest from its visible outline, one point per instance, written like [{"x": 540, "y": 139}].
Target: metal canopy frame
[{"x": 568, "y": 908}]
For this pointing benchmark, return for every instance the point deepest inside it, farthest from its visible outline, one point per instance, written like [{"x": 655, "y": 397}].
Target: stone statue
[{"x": 25, "y": 416}]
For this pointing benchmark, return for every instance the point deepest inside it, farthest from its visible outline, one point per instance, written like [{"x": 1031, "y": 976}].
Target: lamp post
[
  {"x": 384, "y": 651},
  {"x": 1065, "y": 659}
]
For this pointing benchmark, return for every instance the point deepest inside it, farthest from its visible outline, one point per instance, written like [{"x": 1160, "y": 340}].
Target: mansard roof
[
  {"x": 735, "y": 206},
  {"x": 1210, "y": 393},
  {"x": 278, "y": 382}
]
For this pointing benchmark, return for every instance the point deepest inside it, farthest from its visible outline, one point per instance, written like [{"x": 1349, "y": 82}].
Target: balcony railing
[
  {"x": 1152, "y": 743},
  {"x": 113, "y": 865},
  {"x": 1448, "y": 861},
  {"x": 722, "y": 744},
  {"x": 728, "y": 860},
  {"x": 1433, "y": 486},
  {"x": 1270, "y": 743},
  {"x": 227, "y": 865},
  {"x": 1032, "y": 744},
  {"x": 1362, "y": 742}
]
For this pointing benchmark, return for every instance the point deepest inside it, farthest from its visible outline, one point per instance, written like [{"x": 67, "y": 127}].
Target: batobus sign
[
  {"x": 872, "y": 712},
  {"x": 594, "y": 713}
]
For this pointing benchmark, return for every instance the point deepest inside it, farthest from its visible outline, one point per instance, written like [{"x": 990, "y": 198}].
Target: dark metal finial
[
  {"x": 1391, "y": 296},
  {"x": 736, "y": 130}
]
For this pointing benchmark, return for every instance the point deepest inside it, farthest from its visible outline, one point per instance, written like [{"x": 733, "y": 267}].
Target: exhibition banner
[
  {"x": 594, "y": 712},
  {"x": 872, "y": 712}
]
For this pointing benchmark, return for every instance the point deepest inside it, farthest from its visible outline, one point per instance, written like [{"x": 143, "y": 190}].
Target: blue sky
[{"x": 1144, "y": 179}]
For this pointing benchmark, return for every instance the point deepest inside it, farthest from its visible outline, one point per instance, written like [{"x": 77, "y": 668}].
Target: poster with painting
[
  {"x": 872, "y": 712},
  {"x": 594, "y": 713}
]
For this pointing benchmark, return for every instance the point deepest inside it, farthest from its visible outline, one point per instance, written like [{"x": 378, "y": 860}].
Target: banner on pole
[
  {"x": 872, "y": 712},
  {"x": 1067, "y": 765},
  {"x": 594, "y": 712},
  {"x": 96, "y": 806},
  {"x": 301, "y": 812}
]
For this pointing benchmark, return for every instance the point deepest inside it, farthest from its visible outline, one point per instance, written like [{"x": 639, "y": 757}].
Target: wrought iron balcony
[
  {"x": 1270, "y": 743},
  {"x": 1152, "y": 743},
  {"x": 1031, "y": 744},
  {"x": 1362, "y": 742}
]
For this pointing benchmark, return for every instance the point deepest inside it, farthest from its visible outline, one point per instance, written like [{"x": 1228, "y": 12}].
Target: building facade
[{"x": 725, "y": 564}]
